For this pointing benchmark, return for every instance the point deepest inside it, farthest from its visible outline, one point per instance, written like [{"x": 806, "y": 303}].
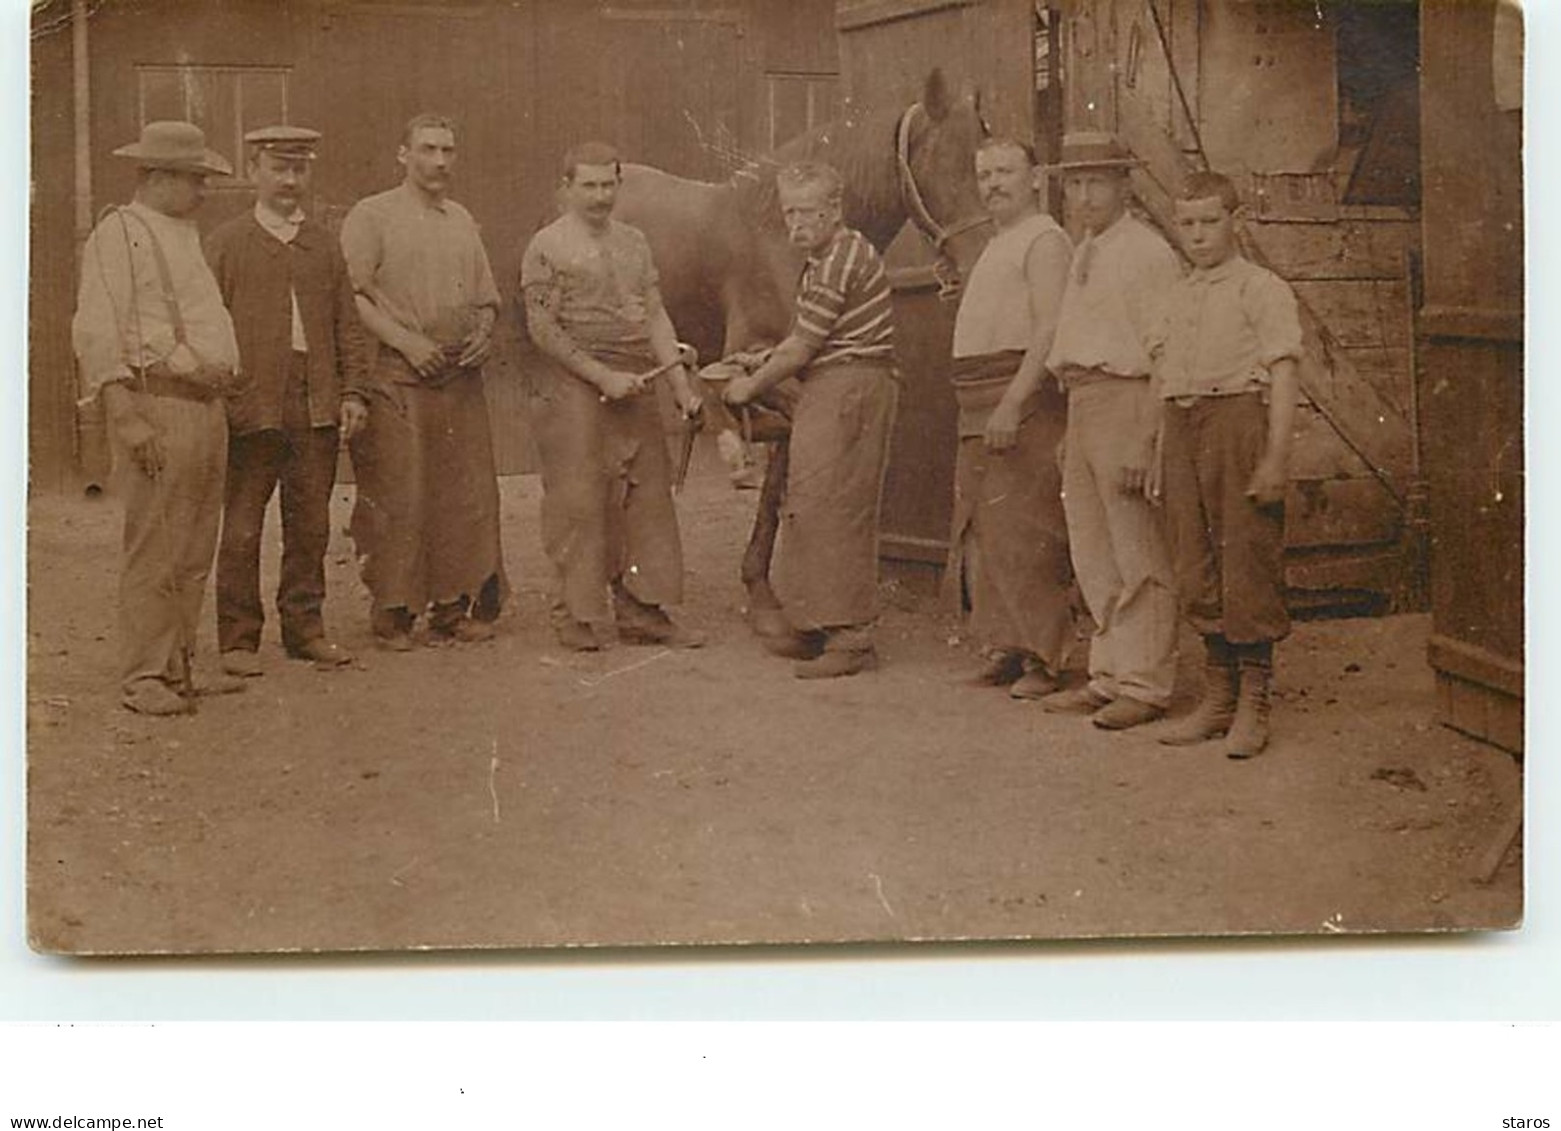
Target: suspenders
[{"x": 164, "y": 278}]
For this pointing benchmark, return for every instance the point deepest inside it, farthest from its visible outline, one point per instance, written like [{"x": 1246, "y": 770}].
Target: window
[
  {"x": 798, "y": 101},
  {"x": 1379, "y": 102},
  {"x": 226, "y": 102}
]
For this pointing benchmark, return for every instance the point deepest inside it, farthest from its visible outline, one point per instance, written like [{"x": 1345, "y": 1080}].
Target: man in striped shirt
[{"x": 841, "y": 348}]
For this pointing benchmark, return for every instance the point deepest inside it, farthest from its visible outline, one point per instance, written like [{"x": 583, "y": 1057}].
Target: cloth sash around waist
[{"x": 979, "y": 384}]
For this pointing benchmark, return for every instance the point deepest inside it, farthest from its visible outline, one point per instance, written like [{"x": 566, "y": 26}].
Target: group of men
[
  {"x": 229, "y": 370},
  {"x": 225, "y": 373},
  {"x": 1173, "y": 404}
]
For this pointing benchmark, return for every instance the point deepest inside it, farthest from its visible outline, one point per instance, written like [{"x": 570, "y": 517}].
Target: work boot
[
  {"x": 243, "y": 663},
  {"x": 1036, "y": 682},
  {"x": 640, "y": 622},
  {"x": 1249, "y": 733},
  {"x": 1074, "y": 701},
  {"x": 392, "y": 628},
  {"x": 463, "y": 630},
  {"x": 795, "y": 645},
  {"x": 576, "y": 635},
  {"x": 153, "y": 697},
  {"x": 1217, "y": 709},
  {"x": 1124, "y": 712},
  {"x": 831, "y": 665},
  {"x": 1003, "y": 666}
]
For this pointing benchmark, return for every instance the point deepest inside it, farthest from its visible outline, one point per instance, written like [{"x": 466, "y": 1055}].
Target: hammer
[{"x": 687, "y": 355}]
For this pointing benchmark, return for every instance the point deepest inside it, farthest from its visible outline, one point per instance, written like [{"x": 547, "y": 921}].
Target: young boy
[{"x": 1226, "y": 367}]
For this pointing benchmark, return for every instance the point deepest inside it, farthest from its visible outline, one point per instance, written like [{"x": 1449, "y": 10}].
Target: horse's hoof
[{"x": 769, "y": 622}]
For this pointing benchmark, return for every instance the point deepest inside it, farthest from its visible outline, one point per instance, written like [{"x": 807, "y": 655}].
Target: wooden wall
[
  {"x": 683, "y": 86},
  {"x": 1471, "y": 339},
  {"x": 887, "y": 50},
  {"x": 1252, "y": 90}
]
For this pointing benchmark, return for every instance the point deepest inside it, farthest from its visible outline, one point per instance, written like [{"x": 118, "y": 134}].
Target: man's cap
[
  {"x": 1089, "y": 149},
  {"x": 285, "y": 141},
  {"x": 180, "y": 146}
]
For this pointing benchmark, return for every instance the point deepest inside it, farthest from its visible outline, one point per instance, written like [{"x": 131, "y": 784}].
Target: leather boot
[
  {"x": 1217, "y": 709},
  {"x": 1249, "y": 733}
]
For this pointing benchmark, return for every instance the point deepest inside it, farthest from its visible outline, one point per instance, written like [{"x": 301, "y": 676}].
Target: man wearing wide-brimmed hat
[
  {"x": 305, "y": 364},
  {"x": 155, "y": 342},
  {"x": 1120, "y": 274}
]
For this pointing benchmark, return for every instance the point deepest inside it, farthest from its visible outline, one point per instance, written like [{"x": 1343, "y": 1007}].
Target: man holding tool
[
  {"x": 155, "y": 343},
  {"x": 593, "y": 309},
  {"x": 841, "y": 351}
]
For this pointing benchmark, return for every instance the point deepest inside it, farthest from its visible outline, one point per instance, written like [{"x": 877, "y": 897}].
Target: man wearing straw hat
[
  {"x": 305, "y": 367},
  {"x": 1120, "y": 273},
  {"x": 155, "y": 343}
]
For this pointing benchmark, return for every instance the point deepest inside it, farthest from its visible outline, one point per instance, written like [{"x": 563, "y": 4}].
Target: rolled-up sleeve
[{"x": 1274, "y": 316}]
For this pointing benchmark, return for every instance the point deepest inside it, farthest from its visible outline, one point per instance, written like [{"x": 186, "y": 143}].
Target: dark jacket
[{"x": 254, "y": 271}]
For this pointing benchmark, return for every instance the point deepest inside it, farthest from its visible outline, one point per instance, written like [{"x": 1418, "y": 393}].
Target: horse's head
[{"x": 937, "y": 142}]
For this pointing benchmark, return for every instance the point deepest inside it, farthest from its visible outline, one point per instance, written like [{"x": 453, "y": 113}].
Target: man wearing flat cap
[
  {"x": 1120, "y": 273},
  {"x": 155, "y": 343},
  {"x": 303, "y": 356}
]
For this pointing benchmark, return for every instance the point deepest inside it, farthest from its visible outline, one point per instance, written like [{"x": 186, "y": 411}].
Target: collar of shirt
[
  {"x": 146, "y": 211},
  {"x": 1216, "y": 274},
  {"x": 841, "y": 233},
  {"x": 1114, "y": 231},
  {"x": 423, "y": 200},
  {"x": 284, "y": 228}
]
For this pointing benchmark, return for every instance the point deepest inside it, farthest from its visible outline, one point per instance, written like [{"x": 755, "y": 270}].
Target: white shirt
[
  {"x": 122, "y": 319},
  {"x": 994, "y": 312},
  {"x": 285, "y": 228},
  {"x": 1117, "y": 285}
]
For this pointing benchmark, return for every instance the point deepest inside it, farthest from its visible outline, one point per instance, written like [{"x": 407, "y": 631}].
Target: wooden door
[{"x": 887, "y": 49}]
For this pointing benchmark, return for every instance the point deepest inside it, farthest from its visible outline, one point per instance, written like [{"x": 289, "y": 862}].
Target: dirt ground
[{"x": 511, "y": 794}]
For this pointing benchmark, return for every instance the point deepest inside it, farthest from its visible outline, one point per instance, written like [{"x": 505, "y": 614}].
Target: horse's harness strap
[{"x": 910, "y": 191}]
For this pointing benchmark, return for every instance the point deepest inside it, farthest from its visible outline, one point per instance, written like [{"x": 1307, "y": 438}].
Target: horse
[{"x": 728, "y": 272}]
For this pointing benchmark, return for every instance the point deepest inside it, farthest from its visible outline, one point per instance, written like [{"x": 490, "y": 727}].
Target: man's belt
[
  {"x": 1076, "y": 376},
  {"x": 884, "y": 362},
  {"x": 160, "y": 381}
]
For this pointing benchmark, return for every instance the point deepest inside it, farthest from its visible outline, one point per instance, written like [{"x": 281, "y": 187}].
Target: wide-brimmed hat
[
  {"x": 175, "y": 145},
  {"x": 1091, "y": 149}
]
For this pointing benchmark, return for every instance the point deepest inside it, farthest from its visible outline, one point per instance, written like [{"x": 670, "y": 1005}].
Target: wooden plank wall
[
  {"x": 1260, "y": 82},
  {"x": 1471, "y": 333},
  {"x": 676, "y": 85},
  {"x": 887, "y": 49},
  {"x": 51, "y": 421}
]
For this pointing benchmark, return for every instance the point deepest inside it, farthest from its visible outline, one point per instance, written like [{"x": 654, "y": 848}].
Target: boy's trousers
[{"x": 1228, "y": 552}]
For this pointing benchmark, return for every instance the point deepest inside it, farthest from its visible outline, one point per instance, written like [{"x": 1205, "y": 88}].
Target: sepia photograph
[{"x": 519, "y": 474}]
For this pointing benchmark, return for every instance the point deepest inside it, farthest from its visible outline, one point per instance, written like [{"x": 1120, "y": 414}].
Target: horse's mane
[{"x": 862, "y": 151}]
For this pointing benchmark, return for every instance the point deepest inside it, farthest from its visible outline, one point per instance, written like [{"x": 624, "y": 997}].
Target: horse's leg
[{"x": 764, "y": 609}]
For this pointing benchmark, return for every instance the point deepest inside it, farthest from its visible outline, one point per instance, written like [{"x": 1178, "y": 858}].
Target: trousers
[
  {"x": 1119, "y": 550},
  {"x": 1228, "y": 552},
  {"x": 302, "y": 460},
  {"x": 607, "y": 512},
  {"x": 170, "y": 533}
]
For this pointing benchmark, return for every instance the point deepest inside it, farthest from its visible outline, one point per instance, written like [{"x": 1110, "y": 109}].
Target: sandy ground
[{"x": 511, "y": 794}]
